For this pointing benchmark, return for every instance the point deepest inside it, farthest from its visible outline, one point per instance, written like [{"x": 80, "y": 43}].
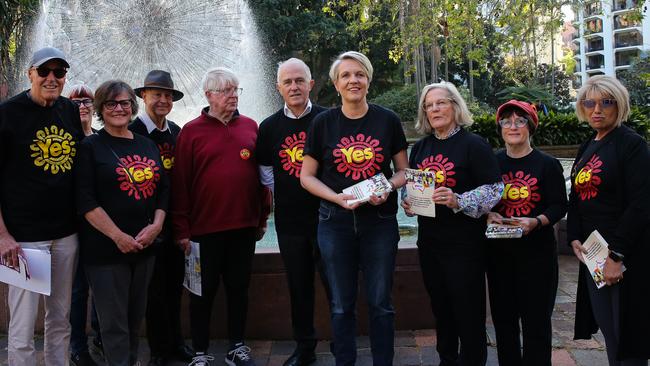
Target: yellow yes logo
[{"x": 53, "y": 149}]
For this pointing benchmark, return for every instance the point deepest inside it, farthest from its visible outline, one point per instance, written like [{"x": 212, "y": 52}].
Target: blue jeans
[
  {"x": 78, "y": 314},
  {"x": 350, "y": 241}
]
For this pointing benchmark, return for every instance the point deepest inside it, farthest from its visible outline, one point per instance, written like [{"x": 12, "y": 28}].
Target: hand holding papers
[
  {"x": 375, "y": 185},
  {"x": 597, "y": 252},
  {"x": 419, "y": 188}
]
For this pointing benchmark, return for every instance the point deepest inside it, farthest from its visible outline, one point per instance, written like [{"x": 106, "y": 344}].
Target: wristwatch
[{"x": 615, "y": 256}]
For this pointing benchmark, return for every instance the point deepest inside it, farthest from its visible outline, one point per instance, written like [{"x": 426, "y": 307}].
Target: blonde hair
[
  {"x": 218, "y": 78},
  {"x": 604, "y": 85},
  {"x": 351, "y": 55},
  {"x": 462, "y": 115}
]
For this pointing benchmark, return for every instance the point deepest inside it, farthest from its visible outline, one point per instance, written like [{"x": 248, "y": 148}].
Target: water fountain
[{"x": 109, "y": 39}]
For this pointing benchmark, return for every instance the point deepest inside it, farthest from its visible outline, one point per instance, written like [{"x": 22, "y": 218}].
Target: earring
[{"x": 338, "y": 94}]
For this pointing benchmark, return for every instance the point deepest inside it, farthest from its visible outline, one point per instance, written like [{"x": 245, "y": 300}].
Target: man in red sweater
[{"x": 219, "y": 203}]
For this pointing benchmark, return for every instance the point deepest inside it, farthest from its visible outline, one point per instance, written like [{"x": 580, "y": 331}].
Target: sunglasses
[
  {"x": 519, "y": 122},
  {"x": 44, "y": 72},
  {"x": 604, "y": 103},
  {"x": 112, "y": 104},
  {"x": 85, "y": 102}
]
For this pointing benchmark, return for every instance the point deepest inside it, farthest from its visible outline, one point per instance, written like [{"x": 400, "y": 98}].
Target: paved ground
[{"x": 418, "y": 347}]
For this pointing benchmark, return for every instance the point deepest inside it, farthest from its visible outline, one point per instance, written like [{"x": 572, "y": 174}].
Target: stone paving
[{"x": 417, "y": 347}]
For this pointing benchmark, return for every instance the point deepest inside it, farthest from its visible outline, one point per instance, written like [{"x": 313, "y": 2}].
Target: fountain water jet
[{"x": 107, "y": 39}]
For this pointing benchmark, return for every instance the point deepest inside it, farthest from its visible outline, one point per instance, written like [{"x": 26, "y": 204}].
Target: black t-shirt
[
  {"x": 129, "y": 190},
  {"x": 38, "y": 152},
  {"x": 534, "y": 185},
  {"x": 462, "y": 162},
  {"x": 351, "y": 150},
  {"x": 610, "y": 190},
  {"x": 166, "y": 142},
  {"x": 280, "y": 144}
]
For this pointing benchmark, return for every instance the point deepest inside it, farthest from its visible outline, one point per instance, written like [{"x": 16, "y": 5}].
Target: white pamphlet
[
  {"x": 597, "y": 253},
  {"x": 192, "y": 280},
  {"x": 362, "y": 191},
  {"x": 420, "y": 185},
  {"x": 33, "y": 274}
]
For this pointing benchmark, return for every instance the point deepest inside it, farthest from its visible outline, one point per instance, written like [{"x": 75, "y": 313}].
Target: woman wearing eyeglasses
[
  {"x": 122, "y": 193},
  {"x": 451, "y": 246},
  {"x": 610, "y": 192},
  {"x": 523, "y": 272},
  {"x": 83, "y": 97}
]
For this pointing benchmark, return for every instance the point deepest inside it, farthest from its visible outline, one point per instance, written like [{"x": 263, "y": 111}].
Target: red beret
[{"x": 527, "y": 108}]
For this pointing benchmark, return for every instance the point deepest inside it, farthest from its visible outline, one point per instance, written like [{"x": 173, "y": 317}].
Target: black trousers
[
  {"x": 523, "y": 280},
  {"x": 301, "y": 258},
  {"x": 455, "y": 281},
  {"x": 164, "y": 302},
  {"x": 226, "y": 255}
]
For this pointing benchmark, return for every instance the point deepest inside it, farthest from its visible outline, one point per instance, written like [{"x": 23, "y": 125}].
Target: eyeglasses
[
  {"x": 44, "y": 72},
  {"x": 228, "y": 91},
  {"x": 112, "y": 104},
  {"x": 441, "y": 104},
  {"x": 519, "y": 122},
  {"x": 603, "y": 103},
  {"x": 85, "y": 102}
]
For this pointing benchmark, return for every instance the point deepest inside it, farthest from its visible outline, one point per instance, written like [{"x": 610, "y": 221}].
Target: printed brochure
[
  {"x": 362, "y": 191},
  {"x": 420, "y": 185}
]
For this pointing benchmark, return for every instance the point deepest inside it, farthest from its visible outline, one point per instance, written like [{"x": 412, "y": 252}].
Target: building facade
[{"x": 608, "y": 36}]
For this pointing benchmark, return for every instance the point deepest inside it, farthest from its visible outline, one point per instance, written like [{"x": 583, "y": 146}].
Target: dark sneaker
[
  {"x": 240, "y": 356},
  {"x": 201, "y": 359},
  {"x": 82, "y": 359}
]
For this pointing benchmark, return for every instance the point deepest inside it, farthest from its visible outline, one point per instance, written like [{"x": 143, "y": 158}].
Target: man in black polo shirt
[
  {"x": 279, "y": 152},
  {"x": 165, "y": 290},
  {"x": 39, "y": 134}
]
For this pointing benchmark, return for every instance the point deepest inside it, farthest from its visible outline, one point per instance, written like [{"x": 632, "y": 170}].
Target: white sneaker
[
  {"x": 201, "y": 360},
  {"x": 240, "y": 356}
]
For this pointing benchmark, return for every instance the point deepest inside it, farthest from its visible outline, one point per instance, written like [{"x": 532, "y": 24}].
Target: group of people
[{"x": 130, "y": 199}]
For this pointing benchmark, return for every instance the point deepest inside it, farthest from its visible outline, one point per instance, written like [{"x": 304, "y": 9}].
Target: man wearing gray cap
[
  {"x": 166, "y": 286},
  {"x": 39, "y": 133}
]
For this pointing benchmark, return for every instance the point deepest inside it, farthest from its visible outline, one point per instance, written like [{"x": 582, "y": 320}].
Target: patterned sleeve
[{"x": 480, "y": 200}]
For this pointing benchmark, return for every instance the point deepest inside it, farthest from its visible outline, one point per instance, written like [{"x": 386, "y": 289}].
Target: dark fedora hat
[{"x": 158, "y": 79}]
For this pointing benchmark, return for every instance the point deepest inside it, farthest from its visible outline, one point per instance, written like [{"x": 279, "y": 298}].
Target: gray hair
[
  {"x": 218, "y": 78},
  {"x": 462, "y": 115},
  {"x": 604, "y": 85},
  {"x": 295, "y": 61},
  {"x": 351, "y": 55}
]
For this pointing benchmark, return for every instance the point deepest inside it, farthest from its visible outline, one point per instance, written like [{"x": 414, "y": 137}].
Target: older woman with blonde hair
[
  {"x": 345, "y": 146},
  {"x": 451, "y": 246},
  {"x": 610, "y": 192}
]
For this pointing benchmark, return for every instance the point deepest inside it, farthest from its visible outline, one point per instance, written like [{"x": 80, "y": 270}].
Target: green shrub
[
  {"x": 560, "y": 128},
  {"x": 402, "y": 101}
]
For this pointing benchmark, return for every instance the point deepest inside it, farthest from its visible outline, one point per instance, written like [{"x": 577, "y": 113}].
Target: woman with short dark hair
[
  {"x": 122, "y": 193},
  {"x": 523, "y": 272}
]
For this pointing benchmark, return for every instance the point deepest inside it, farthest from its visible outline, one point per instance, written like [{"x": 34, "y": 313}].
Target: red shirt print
[
  {"x": 138, "y": 176},
  {"x": 519, "y": 195},
  {"x": 443, "y": 168},
  {"x": 291, "y": 153},
  {"x": 358, "y": 156},
  {"x": 586, "y": 182}
]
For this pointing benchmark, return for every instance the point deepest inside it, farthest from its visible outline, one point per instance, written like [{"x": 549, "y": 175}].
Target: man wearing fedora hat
[
  {"x": 39, "y": 135},
  {"x": 164, "y": 300}
]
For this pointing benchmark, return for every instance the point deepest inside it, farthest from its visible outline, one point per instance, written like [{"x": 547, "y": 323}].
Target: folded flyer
[
  {"x": 362, "y": 191},
  {"x": 503, "y": 231},
  {"x": 192, "y": 280},
  {"x": 420, "y": 185},
  {"x": 597, "y": 253}
]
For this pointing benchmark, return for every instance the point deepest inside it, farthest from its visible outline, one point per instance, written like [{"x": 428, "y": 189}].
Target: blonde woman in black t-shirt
[
  {"x": 344, "y": 146},
  {"x": 451, "y": 245},
  {"x": 610, "y": 192},
  {"x": 523, "y": 272}
]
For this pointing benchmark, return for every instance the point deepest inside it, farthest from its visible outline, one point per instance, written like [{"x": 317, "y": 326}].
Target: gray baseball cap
[{"x": 46, "y": 54}]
